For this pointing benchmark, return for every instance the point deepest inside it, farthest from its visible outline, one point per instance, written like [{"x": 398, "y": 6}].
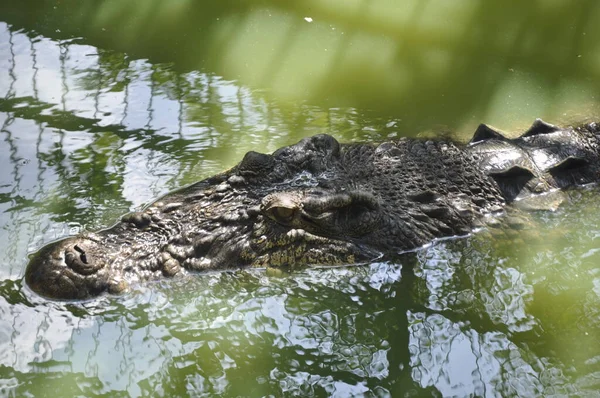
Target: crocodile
[{"x": 320, "y": 202}]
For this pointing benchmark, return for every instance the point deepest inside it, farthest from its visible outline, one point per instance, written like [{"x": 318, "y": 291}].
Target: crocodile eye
[
  {"x": 284, "y": 214},
  {"x": 282, "y": 207}
]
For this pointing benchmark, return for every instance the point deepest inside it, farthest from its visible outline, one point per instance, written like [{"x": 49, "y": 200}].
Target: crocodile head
[
  {"x": 315, "y": 202},
  {"x": 269, "y": 210}
]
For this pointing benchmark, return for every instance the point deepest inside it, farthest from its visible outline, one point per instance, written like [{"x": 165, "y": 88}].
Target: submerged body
[{"x": 320, "y": 202}]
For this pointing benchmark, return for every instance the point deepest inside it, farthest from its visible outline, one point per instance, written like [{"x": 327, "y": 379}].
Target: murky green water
[{"x": 105, "y": 105}]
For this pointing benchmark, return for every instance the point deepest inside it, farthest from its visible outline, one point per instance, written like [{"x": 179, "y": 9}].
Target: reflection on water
[
  {"x": 428, "y": 63},
  {"x": 89, "y": 134}
]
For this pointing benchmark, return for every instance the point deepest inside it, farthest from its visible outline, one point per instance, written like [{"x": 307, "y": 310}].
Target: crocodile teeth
[
  {"x": 485, "y": 132},
  {"x": 540, "y": 127}
]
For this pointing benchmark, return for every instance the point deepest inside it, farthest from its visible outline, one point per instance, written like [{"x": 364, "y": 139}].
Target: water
[{"x": 106, "y": 105}]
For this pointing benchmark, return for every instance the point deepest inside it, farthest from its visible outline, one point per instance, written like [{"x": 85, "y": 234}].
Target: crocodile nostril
[
  {"x": 82, "y": 255},
  {"x": 69, "y": 258},
  {"x": 77, "y": 257}
]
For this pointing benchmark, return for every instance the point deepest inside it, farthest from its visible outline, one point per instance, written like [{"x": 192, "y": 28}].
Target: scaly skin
[{"x": 319, "y": 202}]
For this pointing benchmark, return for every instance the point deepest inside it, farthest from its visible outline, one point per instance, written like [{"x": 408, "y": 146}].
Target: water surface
[{"x": 106, "y": 105}]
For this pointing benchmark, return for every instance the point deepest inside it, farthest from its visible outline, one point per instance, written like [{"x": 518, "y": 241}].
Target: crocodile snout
[{"x": 67, "y": 269}]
